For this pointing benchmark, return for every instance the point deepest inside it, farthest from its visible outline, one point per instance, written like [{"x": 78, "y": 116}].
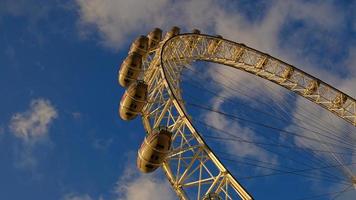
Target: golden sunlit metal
[{"x": 191, "y": 167}]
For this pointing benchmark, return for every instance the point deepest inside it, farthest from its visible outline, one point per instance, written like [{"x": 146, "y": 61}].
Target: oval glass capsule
[
  {"x": 154, "y": 150},
  {"x": 130, "y": 69},
  {"x": 173, "y": 32},
  {"x": 196, "y": 31},
  {"x": 133, "y": 100},
  {"x": 154, "y": 37},
  {"x": 140, "y": 45}
]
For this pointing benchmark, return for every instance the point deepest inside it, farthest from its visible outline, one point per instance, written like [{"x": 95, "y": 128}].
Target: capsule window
[
  {"x": 138, "y": 96},
  {"x": 154, "y": 157},
  {"x": 149, "y": 166},
  {"x": 129, "y": 114},
  {"x": 160, "y": 146},
  {"x": 126, "y": 80}
]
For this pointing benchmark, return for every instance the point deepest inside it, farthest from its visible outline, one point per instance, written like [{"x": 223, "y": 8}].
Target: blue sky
[{"x": 60, "y": 135}]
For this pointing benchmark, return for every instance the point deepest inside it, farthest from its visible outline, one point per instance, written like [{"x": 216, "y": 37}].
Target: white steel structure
[{"x": 192, "y": 168}]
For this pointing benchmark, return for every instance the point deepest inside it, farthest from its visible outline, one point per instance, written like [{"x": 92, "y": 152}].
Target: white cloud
[
  {"x": 34, "y": 123},
  {"x": 245, "y": 149},
  {"x": 135, "y": 186},
  {"x": 146, "y": 188},
  {"x": 314, "y": 12},
  {"x": 32, "y": 127},
  {"x": 116, "y": 19},
  {"x": 266, "y": 34}
]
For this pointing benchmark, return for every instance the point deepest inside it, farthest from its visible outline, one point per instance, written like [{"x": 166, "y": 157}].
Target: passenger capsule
[
  {"x": 154, "y": 150},
  {"x": 130, "y": 69},
  {"x": 173, "y": 32},
  {"x": 140, "y": 45},
  {"x": 133, "y": 100},
  {"x": 196, "y": 31},
  {"x": 154, "y": 37}
]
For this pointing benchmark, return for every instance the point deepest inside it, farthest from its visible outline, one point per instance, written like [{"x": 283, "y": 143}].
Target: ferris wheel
[{"x": 152, "y": 74}]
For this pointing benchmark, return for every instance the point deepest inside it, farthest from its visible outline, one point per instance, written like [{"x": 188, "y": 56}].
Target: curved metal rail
[{"x": 192, "y": 168}]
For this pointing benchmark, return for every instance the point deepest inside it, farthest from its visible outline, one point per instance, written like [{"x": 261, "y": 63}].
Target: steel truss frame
[{"x": 192, "y": 168}]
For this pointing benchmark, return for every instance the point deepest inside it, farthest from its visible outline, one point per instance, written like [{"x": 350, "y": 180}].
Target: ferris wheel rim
[
  {"x": 253, "y": 49},
  {"x": 169, "y": 87},
  {"x": 264, "y": 54},
  {"x": 165, "y": 105}
]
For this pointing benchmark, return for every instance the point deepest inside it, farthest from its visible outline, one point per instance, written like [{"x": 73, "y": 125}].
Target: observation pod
[
  {"x": 154, "y": 37},
  {"x": 154, "y": 150},
  {"x": 133, "y": 100},
  {"x": 196, "y": 31},
  {"x": 140, "y": 45},
  {"x": 130, "y": 69},
  {"x": 173, "y": 32}
]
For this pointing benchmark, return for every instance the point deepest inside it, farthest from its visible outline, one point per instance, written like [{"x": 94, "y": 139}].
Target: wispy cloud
[
  {"x": 245, "y": 149},
  {"x": 34, "y": 123},
  {"x": 135, "y": 186},
  {"x": 115, "y": 21},
  {"x": 32, "y": 128}
]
